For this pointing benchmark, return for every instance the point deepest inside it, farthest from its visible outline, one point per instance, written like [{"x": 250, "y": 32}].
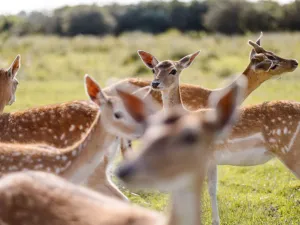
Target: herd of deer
[{"x": 196, "y": 130}]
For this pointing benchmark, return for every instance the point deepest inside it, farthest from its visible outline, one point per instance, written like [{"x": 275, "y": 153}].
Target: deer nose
[
  {"x": 125, "y": 171},
  {"x": 155, "y": 84},
  {"x": 295, "y": 63}
]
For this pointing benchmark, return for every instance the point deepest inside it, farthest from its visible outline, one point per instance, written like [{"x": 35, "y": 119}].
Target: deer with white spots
[
  {"x": 73, "y": 140},
  {"x": 9, "y": 83},
  {"x": 249, "y": 144},
  {"x": 263, "y": 66},
  {"x": 184, "y": 139}
]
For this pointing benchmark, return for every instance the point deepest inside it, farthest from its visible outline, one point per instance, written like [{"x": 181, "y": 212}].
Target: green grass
[{"x": 53, "y": 68}]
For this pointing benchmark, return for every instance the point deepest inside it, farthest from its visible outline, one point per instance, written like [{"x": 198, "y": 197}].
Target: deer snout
[
  {"x": 155, "y": 83},
  {"x": 294, "y": 63}
]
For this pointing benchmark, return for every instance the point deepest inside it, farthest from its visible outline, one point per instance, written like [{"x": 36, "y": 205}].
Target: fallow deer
[
  {"x": 68, "y": 139},
  {"x": 9, "y": 83},
  {"x": 251, "y": 147},
  {"x": 185, "y": 139},
  {"x": 263, "y": 66}
]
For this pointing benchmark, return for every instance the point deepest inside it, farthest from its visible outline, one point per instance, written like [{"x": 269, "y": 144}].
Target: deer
[
  {"x": 195, "y": 97},
  {"x": 9, "y": 83},
  {"x": 263, "y": 66},
  {"x": 73, "y": 140},
  {"x": 34, "y": 197},
  {"x": 247, "y": 145}
]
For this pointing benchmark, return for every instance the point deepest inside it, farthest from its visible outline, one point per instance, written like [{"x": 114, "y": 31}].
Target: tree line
[{"x": 223, "y": 16}]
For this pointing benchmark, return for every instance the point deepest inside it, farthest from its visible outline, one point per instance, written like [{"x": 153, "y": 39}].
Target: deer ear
[
  {"x": 253, "y": 52},
  {"x": 134, "y": 106},
  {"x": 259, "y": 38},
  {"x": 225, "y": 103},
  {"x": 15, "y": 66},
  {"x": 187, "y": 60},
  {"x": 94, "y": 91},
  {"x": 149, "y": 60}
]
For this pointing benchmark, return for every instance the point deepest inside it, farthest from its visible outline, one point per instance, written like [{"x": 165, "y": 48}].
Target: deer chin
[
  {"x": 163, "y": 185},
  {"x": 159, "y": 88},
  {"x": 12, "y": 101}
]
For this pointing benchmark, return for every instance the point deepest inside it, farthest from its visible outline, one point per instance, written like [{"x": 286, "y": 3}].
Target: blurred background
[{"x": 61, "y": 40}]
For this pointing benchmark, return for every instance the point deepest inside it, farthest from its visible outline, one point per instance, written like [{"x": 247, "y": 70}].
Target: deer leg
[
  {"x": 100, "y": 179},
  {"x": 212, "y": 189},
  {"x": 291, "y": 159}
]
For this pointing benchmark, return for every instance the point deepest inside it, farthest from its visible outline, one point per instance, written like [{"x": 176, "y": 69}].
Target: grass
[{"x": 53, "y": 68}]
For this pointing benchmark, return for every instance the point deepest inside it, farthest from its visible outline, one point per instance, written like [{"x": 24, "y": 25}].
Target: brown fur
[
  {"x": 9, "y": 83},
  {"x": 192, "y": 96},
  {"x": 57, "y": 138},
  {"x": 277, "y": 121},
  {"x": 37, "y": 198},
  {"x": 58, "y": 125}
]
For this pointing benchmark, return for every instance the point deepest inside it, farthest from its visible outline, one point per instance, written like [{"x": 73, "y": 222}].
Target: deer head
[
  {"x": 166, "y": 73},
  {"x": 178, "y": 143},
  {"x": 9, "y": 83},
  {"x": 266, "y": 64},
  {"x": 114, "y": 116}
]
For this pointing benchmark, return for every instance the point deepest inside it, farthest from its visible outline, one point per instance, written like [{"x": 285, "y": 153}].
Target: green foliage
[
  {"x": 86, "y": 20},
  {"x": 52, "y": 72},
  {"x": 226, "y": 16}
]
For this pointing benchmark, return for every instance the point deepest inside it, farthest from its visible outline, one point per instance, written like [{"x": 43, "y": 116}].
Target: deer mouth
[{"x": 274, "y": 67}]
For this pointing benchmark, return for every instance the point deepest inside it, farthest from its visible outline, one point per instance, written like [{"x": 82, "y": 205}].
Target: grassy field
[{"x": 53, "y": 68}]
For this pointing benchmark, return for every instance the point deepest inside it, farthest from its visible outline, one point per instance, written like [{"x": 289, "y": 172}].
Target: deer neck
[
  {"x": 171, "y": 97},
  {"x": 91, "y": 156},
  {"x": 185, "y": 202},
  {"x": 254, "y": 79},
  {"x": 2, "y": 106}
]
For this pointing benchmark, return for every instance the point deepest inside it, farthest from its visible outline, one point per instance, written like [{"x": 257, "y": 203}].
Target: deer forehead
[
  {"x": 2, "y": 73},
  {"x": 164, "y": 65},
  {"x": 174, "y": 128}
]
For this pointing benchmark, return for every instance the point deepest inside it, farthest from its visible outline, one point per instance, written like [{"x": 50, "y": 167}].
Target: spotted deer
[
  {"x": 263, "y": 65},
  {"x": 68, "y": 139},
  {"x": 9, "y": 83},
  {"x": 185, "y": 139}
]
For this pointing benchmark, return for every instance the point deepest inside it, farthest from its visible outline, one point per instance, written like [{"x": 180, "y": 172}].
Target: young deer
[
  {"x": 184, "y": 139},
  {"x": 263, "y": 65},
  {"x": 9, "y": 83},
  {"x": 68, "y": 139}
]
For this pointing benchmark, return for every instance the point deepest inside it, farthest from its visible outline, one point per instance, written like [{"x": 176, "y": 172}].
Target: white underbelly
[{"x": 246, "y": 157}]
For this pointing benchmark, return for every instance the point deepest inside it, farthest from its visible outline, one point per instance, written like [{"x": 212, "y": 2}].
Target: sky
[{"x": 15, "y": 6}]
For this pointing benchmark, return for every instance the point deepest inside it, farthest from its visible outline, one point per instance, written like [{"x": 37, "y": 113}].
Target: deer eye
[
  {"x": 118, "y": 115},
  {"x": 173, "y": 72},
  {"x": 153, "y": 71}
]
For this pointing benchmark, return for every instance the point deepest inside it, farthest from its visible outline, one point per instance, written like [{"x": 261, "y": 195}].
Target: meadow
[{"x": 52, "y": 72}]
